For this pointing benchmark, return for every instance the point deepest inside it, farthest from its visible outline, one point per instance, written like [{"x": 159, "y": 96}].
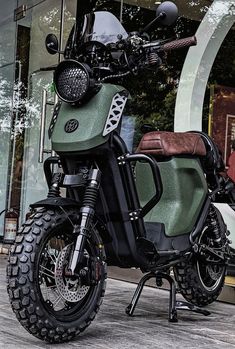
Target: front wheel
[
  {"x": 49, "y": 303},
  {"x": 200, "y": 282}
]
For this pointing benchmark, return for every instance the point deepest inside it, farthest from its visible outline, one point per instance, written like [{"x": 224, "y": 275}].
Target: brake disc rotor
[{"x": 68, "y": 287}]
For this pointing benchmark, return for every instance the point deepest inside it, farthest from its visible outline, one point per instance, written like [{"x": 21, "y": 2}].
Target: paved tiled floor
[{"x": 112, "y": 328}]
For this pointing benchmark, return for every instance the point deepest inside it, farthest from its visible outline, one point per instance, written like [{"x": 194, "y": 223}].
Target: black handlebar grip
[{"x": 186, "y": 42}]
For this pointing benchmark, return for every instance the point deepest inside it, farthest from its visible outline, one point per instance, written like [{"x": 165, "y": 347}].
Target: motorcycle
[{"x": 152, "y": 209}]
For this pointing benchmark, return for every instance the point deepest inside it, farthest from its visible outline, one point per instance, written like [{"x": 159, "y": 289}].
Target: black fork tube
[{"x": 87, "y": 212}]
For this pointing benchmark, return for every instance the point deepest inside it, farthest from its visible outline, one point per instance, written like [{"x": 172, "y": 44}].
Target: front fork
[{"x": 87, "y": 212}]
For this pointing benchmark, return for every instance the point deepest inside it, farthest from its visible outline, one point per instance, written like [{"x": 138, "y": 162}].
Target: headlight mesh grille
[{"x": 72, "y": 81}]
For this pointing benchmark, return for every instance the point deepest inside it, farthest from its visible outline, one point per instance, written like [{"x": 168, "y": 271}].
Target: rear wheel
[
  {"x": 198, "y": 281},
  {"x": 49, "y": 303}
]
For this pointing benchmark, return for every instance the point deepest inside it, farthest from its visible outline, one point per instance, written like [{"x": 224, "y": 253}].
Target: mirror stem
[
  {"x": 50, "y": 46},
  {"x": 160, "y": 16}
]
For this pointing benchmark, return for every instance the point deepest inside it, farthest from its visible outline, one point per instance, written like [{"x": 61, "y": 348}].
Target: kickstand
[{"x": 173, "y": 304}]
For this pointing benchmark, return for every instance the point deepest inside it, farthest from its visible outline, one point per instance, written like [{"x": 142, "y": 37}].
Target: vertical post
[
  {"x": 211, "y": 108},
  {"x": 61, "y": 29},
  {"x": 121, "y": 11},
  {"x": 42, "y": 126},
  {"x": 14, "y": 120}
]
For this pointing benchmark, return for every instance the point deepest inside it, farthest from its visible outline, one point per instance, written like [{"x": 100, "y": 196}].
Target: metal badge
[{"x": 71, "y": 126}]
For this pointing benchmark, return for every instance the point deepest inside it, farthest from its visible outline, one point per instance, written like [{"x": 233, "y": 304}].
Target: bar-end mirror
[
  {"x": 52, "y": 44},
  {"x": 167, "y": 13}
]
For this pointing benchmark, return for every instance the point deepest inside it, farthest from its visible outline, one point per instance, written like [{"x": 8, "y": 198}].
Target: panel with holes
[{"x": 115, "y": 112}]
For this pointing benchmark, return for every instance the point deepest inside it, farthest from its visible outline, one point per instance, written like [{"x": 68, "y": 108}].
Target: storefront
[
  {"x": 186, "y": 94},
  {"x": 25, "y": 73}
]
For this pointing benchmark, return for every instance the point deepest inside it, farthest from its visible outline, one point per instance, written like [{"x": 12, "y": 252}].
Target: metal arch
[{"x": 199, "y": 61}]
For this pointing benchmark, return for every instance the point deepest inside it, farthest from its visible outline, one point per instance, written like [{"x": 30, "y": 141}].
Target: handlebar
[
  {"x": 173, "y": 45},
  {"x": 144, "y": 53}
]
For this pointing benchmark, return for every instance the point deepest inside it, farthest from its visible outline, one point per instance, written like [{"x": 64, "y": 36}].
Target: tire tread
[{"x": 20, "y": 283}]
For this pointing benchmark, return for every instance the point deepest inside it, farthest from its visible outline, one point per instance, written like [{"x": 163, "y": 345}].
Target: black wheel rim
[
  {"x": 210, "y": 275},
  {"x": 51, "y": 297}
]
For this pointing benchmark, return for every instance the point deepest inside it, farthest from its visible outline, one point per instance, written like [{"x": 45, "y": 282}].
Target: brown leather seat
[{"x": 171, "y": 143}]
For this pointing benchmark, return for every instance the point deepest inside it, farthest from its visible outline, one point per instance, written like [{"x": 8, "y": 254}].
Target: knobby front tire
[{"x": 49, "y": 305}]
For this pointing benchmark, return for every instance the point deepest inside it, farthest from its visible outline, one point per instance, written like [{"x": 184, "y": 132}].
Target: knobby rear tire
[
  {"x": 191, "y": 287},
  {"x": 23, "y": 284},
  {"x": 194, "y": 281}
]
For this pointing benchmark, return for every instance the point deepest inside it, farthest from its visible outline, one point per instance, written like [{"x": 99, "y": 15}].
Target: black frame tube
[
  {"x": 156, "y": 177},
  {"x": 129, "y": 186},
  {"x": 132, "y": 192},
  {"x": 202, "y": 218},
  {"x": 52, "y": 160}
]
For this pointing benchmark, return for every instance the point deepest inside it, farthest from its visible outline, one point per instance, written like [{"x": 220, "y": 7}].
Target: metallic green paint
[
  {"x": 184, "y": 192},
  {"x": 91, "y": 117}
]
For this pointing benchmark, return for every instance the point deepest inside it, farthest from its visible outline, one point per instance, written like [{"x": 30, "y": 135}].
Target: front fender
[
  {"x": 56, "y": 202},
  {"x": 67, "y": 202}
]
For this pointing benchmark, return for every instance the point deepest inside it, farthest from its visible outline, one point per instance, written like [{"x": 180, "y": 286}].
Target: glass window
[
  {"x": 30, "y": 3},
  {"x": 7, "y": 33},
  {"x": 41, "y": 20},
  {"x": 221, "y": 89},
  {"x": 6, "y": 93},
  {"x": 7, "y": 74}
]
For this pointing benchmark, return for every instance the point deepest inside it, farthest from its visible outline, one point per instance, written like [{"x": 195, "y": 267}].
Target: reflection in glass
[{"x": 6, "y": 88}]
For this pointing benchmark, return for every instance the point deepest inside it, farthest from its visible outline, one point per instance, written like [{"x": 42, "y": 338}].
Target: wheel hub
[
  {"x": 213, "y": 273},
  {"x": 69, "y": 287}
]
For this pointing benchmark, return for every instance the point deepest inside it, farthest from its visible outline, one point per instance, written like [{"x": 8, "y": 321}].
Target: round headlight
[{"x": 72, "y": 81}]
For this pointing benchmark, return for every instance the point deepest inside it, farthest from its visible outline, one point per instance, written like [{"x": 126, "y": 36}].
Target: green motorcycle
[{"x": 151, "y": 209}]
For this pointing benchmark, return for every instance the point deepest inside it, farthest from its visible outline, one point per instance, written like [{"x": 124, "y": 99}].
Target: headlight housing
[{"x": 72, "y": 81}]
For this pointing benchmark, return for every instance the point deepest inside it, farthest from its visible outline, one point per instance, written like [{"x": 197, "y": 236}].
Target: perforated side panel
[
  {"x": 54, "y": 119},
  {"x": 115, "y": 112}
]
